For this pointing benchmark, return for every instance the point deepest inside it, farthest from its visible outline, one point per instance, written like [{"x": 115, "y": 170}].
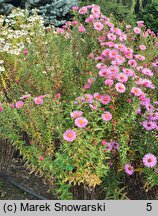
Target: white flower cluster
[{"x": 18, "y": 30}]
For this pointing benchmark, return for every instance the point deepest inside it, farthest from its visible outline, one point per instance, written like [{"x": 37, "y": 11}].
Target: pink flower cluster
[
  {"x": 149, "y": 161},
  {"x": 122, "y": 71}
]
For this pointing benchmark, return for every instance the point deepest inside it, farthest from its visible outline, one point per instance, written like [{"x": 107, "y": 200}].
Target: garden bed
[
  {"x": 85, "y": 119},
  {"x": 134, "y": 187}
]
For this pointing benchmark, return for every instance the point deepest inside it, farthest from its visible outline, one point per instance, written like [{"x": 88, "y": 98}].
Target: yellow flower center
[
  {"x": 107, "y": 115},
  {"x": 81, "y": 121},
  {"x": 120, "y": 87},
  {"x": 70, "y": 135},
  {"x": 136, "y": 90}
]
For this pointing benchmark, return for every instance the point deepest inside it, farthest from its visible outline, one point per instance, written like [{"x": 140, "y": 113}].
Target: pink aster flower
[
  {"x": 149, "y": 125},
  {"x": 128, "y": 55},
  {"x": 101, "y": 38},
  {"x": 101, "y": 66},
  {"x": 60, "y": 30},
  {"x": 120, "y": 47},
  {"x": 107, "y": 116},
  {"x": 109, "y": 82},
  {"x": 25, "y": 97},
  {"x": 140, "y": 57},
  {"x": 88, "y": 98},
  {"x": 116, "y": 31},
  {"x": 97, "y": 96},
  {"x": 137, "y": 30},
  {"x": 115, "y": 145},
  {"x": 121, "y": 77},
  {"x": 98, "y": 26},
  {"x": 87, "y": 86},
  {"x": 105, "y": 99},
  {"x": 123, "y": 37},
  {"x": 139, "y": 68},
  {"x": 76, "y": 114},
  {"x": 147, "y": 72},
  {"x": 83, "y": 10},
  {"x": 68, "y": 23},
  {"x": 89, "y": 19},
  {"x": 69, "y": 135},
  {"x": 129, "y": 72},
  {"x": 136, "y": 91},
  {"x": 148, "y": 84},
  {"x": 120, "y": 87},
  {"x": 140, "y": 23},
  {"x": 38, "y": 100},
  {"x": 103, "y": 72},
  {"x": 128, "y": 26},
  {"x": 132, "y": 63},
  {"x": 149, "y": 107},
  {"x": 95, "y": 10},
  {"x": 120, "y": 59},
  {"x": 75, "y": 8},
  {"x": 155, "y": 64},
  {"x": 149, "y": 160},
  {"x": 113, "y": 54},
  {"x": 75, "y": 22},
  {"x": 129, "y": 169},
  {"x": 109, "y": 44},
  {"x": 90, "y": 80},
  {"x": 81, "y": 28},
  {"x": 19, "y": 104},
  {"x": 153, "y": 116},
  {"x": 111, "y": 36},
  {"x": 142, "y": 98},
  {"x": 81, "y": 122},
  {"x": 105, "y": 53},
  {"x": 109, "y": 147},
  {"x": 142, "y": 47},
  {"x": 128, "y": 50}
]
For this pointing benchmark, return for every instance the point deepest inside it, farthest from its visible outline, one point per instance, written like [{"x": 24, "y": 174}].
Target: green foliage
[
  {"x": 150, "y": 16},
  {"x": 120, "y": 12},
  {"x": 111, "y": 187},
  {"x": 130, "y": 11}
]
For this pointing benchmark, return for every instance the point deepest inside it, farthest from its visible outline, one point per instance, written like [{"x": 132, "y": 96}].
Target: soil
[
  {"x": 18, "y": 173},
  {"x": 135, "y": 189}
]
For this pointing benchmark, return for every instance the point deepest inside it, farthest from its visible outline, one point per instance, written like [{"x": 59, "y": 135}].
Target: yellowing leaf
[{"x": 138, "y": 170}]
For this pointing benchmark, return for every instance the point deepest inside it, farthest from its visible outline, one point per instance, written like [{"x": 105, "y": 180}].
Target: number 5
[{"x": 149, "y": 206}]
